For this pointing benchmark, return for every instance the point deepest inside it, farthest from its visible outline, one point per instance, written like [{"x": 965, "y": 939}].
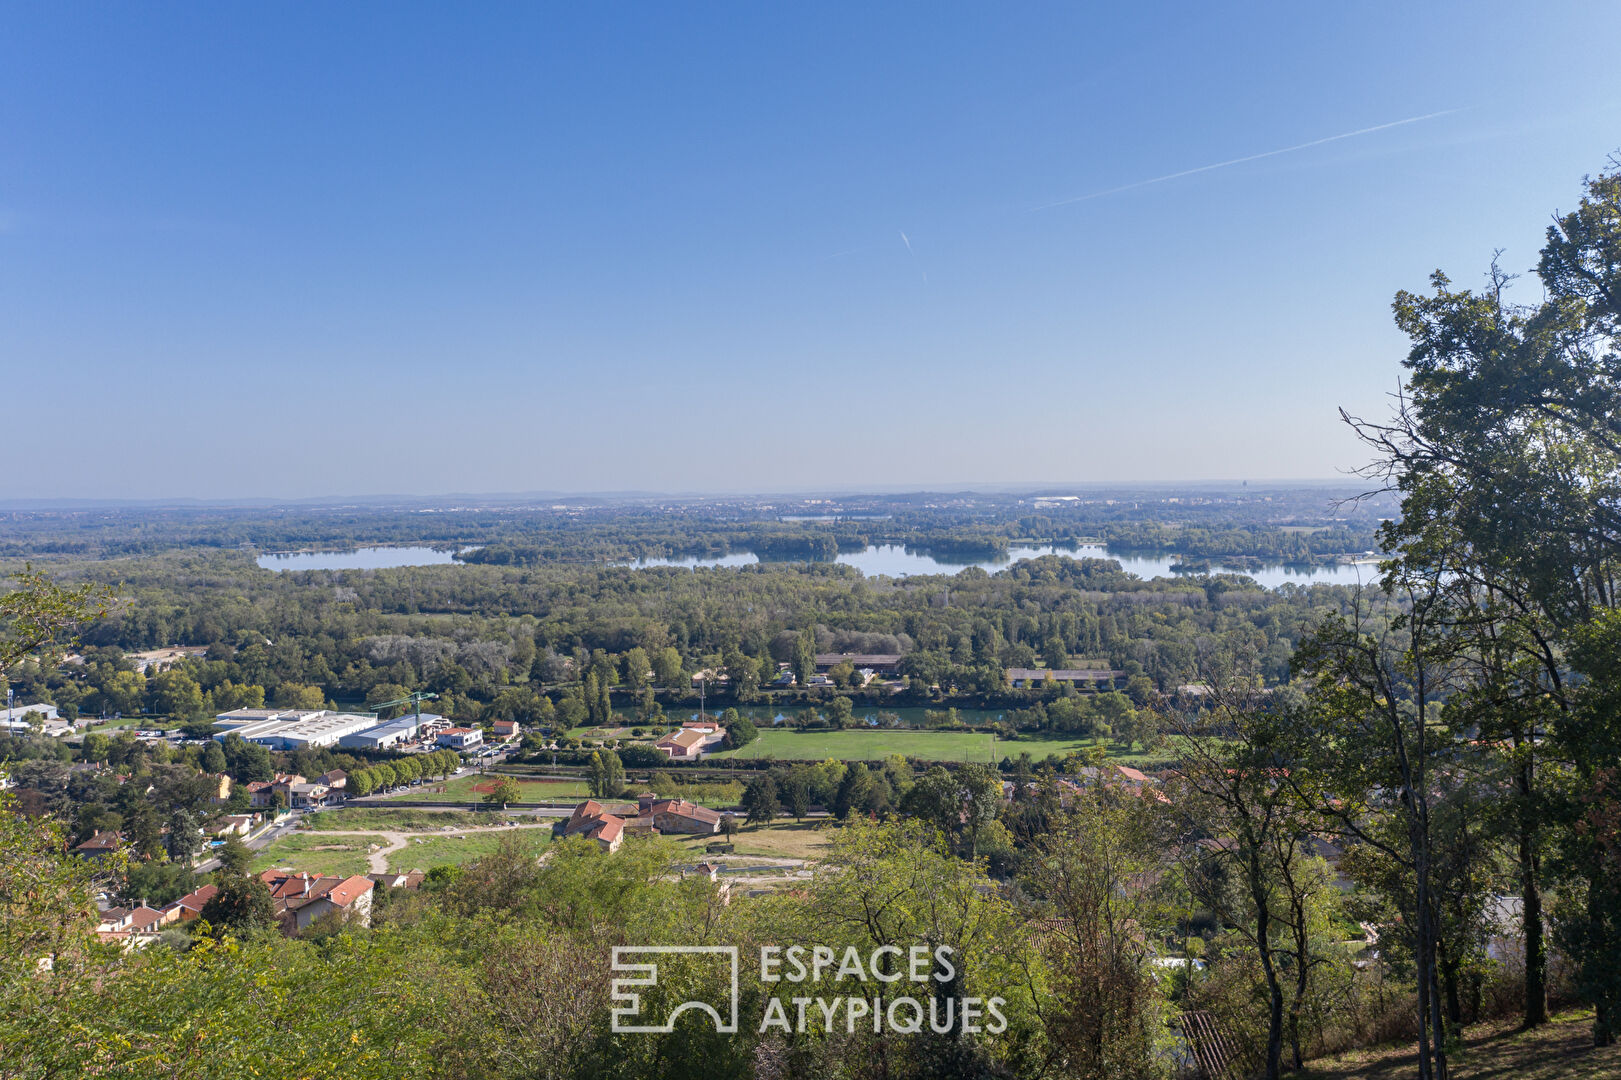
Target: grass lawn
[
  {"x": 402, "y": 820},
  {"x": 461, "y": 789},
  {"x": 431, "y": 851},
  {"x": 1562, "y": 1050},
  {"x": 783, "y": 839},
  {"x": 866, "y": 745},
  {"x": 336, "y": 855}
]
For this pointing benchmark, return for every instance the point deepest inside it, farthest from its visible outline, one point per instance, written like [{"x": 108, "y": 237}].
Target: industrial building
[
  {"x": 292, "y": 729},
  {"x": 383, "y": 736}
]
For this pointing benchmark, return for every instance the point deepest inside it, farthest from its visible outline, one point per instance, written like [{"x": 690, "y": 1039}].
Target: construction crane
[{"x": 414, "y": 700}]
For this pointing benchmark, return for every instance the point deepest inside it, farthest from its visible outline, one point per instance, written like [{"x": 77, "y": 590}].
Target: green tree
[
  {"x": 803, "y": 661},
  {"x": 637, "y": 668},
  {"x": 506, "y": 790},
  {"x": 667, "y": 667},
  {"x": 234, "y": 856},
  {"x": 213, "y": 759},
  {"x": 799, "y": 802},
  {"x": 300, "y": 696},
  {"x": 242, "y": 904},
  {"x": 760, "y": 801},
  {"x": 37, "y": 615}
]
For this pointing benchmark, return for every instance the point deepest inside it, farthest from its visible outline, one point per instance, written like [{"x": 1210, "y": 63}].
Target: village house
[
  {"x": 100, "y": 845},
  {"x": 229, "y": 825},
  {"x": 190, "y": 906},
  {"x": 300, "y": 899},
  {"x": 221, "y": 792}
]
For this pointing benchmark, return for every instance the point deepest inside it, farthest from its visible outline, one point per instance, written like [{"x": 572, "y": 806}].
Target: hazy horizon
[
  {"x": 276, "y": 253},
  {"x": 1030, "y": 490}
]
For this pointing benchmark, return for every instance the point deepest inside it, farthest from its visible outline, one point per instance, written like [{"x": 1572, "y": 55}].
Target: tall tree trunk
[
  {"x": 1447, "y": 964},
  {"x": 1263, "y": 938},
  {"x": 1604, "y": 1015},
  {"x": 1536, "y": 942}
]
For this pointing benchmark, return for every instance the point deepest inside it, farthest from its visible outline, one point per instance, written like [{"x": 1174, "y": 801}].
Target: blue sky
[{"x": 303, "y": 250}]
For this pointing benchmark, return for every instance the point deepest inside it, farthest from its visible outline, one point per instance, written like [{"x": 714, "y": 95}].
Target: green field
[
  {"x": 317, "y": 854},
  {"x": 461, "y": 788},
  {"x": 856, "y": 745},
  {"x": 431, "y": 851},
  {"x": 405, "y": 819}
]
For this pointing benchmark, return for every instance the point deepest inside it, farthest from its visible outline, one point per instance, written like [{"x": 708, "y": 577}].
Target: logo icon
[{"x": 628, "y": 1003}]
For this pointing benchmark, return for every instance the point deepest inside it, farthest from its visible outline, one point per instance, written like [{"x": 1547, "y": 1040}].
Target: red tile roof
[
  {"x": 145, "y": 919},
  {"x": 350, "y": 889},
  {"x": 196, "y": 900}
]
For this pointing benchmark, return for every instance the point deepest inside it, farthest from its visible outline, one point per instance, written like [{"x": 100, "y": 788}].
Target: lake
[
  {"x": 893, "y": 560},
  {"x": 366, "y": 558}
]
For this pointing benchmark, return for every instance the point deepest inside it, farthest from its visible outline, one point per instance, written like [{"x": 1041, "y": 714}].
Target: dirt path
[{"x": 397, "y": 840}]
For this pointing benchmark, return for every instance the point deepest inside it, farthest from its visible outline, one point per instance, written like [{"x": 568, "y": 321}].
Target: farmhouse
[
  {"x": 591, "y": 820},
  {"x": 677, "y": 816}
]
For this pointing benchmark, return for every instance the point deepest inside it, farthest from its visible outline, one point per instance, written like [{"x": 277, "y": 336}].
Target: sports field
[{"x": 859, "y": 745}]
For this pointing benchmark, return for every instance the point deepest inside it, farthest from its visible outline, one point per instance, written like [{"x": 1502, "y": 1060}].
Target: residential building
[
  {"x": 229, "y": 825},
  {"x": 335, "y": 779},
  {"x": 100, "y": 845},
  {"x": 307, "y": 795},
  {"x": 300, "y": 899},
  {"x": 460, "y": 738},
  {"x": 222, "y": 789},
  {"x": 505, "y": 729},
  {"x": 190, "y": 906}
]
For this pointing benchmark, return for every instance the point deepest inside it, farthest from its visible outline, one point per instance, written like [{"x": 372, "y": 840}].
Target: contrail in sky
[
  {"x": 907, "y": 240},
  {"x": 1242, "y": 160}
]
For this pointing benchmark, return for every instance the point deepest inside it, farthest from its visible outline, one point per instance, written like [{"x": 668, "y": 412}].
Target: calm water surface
[
  {"x": 894, "y": 560},
  {"x": 366, "y": 558},
  {"x": 891, "y": 560}
]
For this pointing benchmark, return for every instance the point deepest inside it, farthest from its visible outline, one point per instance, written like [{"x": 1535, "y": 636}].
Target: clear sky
[{"x": 317, "y": 249}]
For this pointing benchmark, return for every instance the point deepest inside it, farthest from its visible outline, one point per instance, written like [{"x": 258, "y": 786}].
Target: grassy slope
[
  {"x": 460, "y": 789},
  {"x": 432, "y": 851},
  {"x": 401, "y": 820},
  {"x": 318, "y": 854},
  {"x": 1560, "y": 1051},
  {"x": 786, "y": 839}
]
